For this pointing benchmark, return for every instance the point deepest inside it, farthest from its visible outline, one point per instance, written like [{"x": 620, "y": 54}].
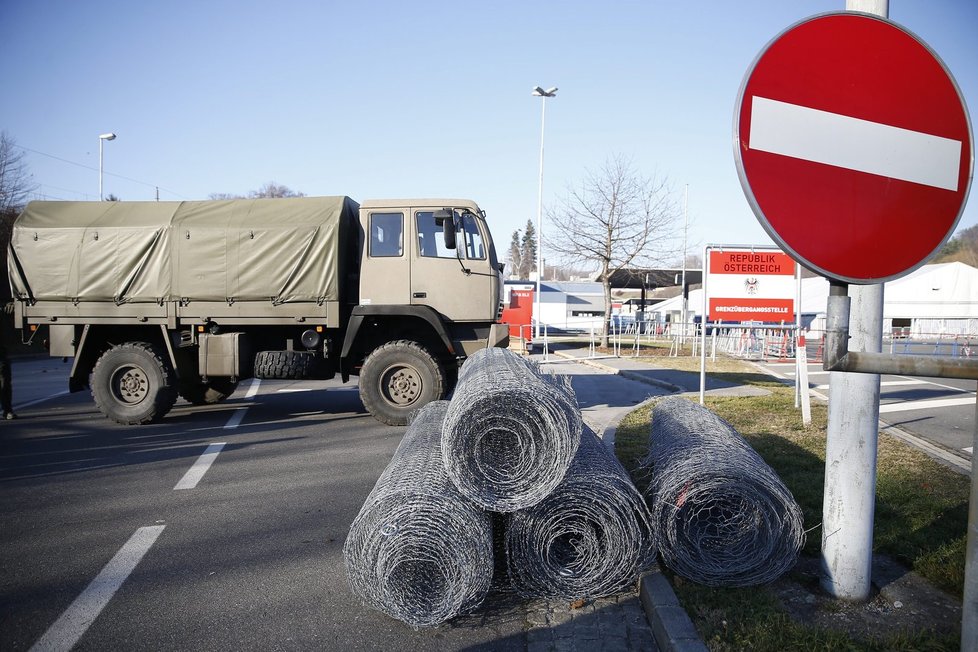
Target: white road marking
[
  {"x": 40, "y": 400},
  {"x": 236, "y": 418},
  {"x": 891, "y": 383},
  {"x": 926, "y": 405},
  {"x": 931, "y": 382},
  {"x": 969, "y": 449},
  {"x": 293, "y": 390},
  {"x": 253, "y": 390},
  {"x": 855, "y": 144},
  {"x": 75, "y": 621},
  {"x": 200, "y": 467},
  {"x": 810, "y": 373}
]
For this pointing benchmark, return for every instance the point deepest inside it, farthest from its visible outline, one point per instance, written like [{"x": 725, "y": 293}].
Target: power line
[{"x": 111, "y": 174}]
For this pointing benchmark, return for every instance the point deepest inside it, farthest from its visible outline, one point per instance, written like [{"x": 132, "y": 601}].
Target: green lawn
[{"x": 921, "y": 515}]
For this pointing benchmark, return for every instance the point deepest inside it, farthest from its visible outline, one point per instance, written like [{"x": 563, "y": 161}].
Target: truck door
[
  {"x": 385, "y": 278},
  {"x": 455, "y": 282}
]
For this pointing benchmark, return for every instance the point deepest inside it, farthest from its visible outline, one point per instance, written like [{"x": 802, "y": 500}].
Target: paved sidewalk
[
  {"x": 671, "y": 380},
  {"x": 649, "y": 618}
]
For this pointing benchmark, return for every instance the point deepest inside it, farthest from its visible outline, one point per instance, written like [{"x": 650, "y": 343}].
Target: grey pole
[
  {"x": 969, "y": 602},
  {"x": 849, "y": 503},
  {"x": 543, "y": 95},
  {"x": 101, "y": 139}
]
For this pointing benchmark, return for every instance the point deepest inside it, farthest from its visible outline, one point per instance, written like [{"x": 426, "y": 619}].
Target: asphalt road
[
  {"x": 110, "y": 539},
  {"x": 938, "y": 410}
]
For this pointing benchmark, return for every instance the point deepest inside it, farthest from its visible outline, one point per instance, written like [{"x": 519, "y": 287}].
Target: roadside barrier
[
  {"x": 590, "y": 537},
  {"x": 421, "y": 548},
  {"x": 418, "y": 550},
  {"x": 510, "y": 431},
  {"x": 722, "y": 516}
]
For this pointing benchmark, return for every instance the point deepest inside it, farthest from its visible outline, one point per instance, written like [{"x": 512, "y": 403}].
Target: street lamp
[
  {"x": 101, "y": 139},
  {"x": 539, "y": 92}
]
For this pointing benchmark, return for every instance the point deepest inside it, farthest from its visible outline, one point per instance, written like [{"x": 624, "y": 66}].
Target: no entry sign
[
  {"x": 853, "y": 146},
  {"x": 750, "y": 285}
]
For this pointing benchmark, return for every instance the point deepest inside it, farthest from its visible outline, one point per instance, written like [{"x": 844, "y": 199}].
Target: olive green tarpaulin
[{"x": 279, "y": 250}]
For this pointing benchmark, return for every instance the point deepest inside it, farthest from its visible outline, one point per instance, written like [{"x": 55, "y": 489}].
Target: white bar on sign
[{"x": 855, "y": 144}]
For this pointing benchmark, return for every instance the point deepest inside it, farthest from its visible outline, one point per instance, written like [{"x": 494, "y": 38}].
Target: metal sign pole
[{"x": 849, "y": 502}]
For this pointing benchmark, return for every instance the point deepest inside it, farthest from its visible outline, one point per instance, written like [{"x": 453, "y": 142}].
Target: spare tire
[{"x": 284, "y": 365}]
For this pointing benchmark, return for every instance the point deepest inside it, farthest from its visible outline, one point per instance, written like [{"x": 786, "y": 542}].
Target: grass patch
[{"x": 921, "y": 516}]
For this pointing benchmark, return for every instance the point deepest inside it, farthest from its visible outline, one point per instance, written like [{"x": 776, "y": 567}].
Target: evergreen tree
[
  {"x": 528, "y": 251},
  {"x": 516, "y": 256}
]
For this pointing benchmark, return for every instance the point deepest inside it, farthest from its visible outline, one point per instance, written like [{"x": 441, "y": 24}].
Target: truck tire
[
  {"x": 284, "y": 365},
  {"x": 133, "y": 384},
  {"x": 399, "y": 378},
  {"x": 213, "y": 391}
]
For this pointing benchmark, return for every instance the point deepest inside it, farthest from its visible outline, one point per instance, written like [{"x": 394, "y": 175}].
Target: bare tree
[
  {"x": 16, "y": 183},
  {"x": 270, "y": 190},
  {"x": 274, "y": 190},
  {"x": 616, "y": 218}
]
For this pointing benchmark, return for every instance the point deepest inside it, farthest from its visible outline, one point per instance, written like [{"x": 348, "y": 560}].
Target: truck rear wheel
[
  {"x": 132, "y": 384},
  {"x": 397, "y": 379},
  {"x": 213, "y": 391}
]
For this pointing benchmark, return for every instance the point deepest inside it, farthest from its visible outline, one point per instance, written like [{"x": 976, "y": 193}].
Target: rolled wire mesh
[
  {"x": 589, "y": 538},
  {"x": 722, "y": 516},
  {"x": 510, "y": 432},
  {"x": 418, "y": 550}
]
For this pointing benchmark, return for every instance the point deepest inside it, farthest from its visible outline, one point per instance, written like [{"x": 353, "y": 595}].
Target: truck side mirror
[{"x": 445, "y": 218}]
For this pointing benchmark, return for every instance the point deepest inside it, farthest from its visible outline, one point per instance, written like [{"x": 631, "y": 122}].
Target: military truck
[{"x": 158, "y": 299}]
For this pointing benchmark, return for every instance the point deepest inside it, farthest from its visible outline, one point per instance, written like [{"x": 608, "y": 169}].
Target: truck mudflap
[{"x": 498, "y": 336}]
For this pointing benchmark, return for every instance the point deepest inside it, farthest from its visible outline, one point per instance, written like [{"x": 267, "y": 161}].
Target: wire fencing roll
[
  {"x": 418, "y": 550},
  {"x": 588, "y": 538},
  {"x": 511, "y": 431},
  {"x": 722, "y": 516}
]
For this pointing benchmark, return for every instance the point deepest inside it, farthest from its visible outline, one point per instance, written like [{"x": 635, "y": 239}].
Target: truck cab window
[
  {"x": 474, "y": 247},
  {"x": 431, "y": 242},
  {"x": 386, "y": 234}
]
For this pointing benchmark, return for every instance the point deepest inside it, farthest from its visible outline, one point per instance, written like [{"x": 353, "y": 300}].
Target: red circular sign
[{"x": 853, "y": 146}]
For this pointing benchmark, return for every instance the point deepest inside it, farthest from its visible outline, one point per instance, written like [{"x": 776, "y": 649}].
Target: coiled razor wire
[
  {"x": 418, "y": 551},
  {"x": 510, "y": 432},
  {"x": 589, "y": 538},
  {"x": 722, "y": 516}
]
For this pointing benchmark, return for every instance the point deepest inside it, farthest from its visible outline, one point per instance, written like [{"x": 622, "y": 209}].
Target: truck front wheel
[
  {"x": 132, "y": 384},
  {"x": 397, "y": 379}
]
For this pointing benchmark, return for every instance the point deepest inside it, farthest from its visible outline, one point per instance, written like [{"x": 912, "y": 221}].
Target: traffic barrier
[
  {"x": 418, "y": 550},
  {"x": 722, "y": 516}
]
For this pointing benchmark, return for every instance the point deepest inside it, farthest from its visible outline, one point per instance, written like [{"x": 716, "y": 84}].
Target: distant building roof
[{"x": 654, "y": 278}]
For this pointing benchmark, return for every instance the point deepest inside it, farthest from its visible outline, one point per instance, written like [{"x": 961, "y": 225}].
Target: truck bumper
[{"x": 498, "y": 336}]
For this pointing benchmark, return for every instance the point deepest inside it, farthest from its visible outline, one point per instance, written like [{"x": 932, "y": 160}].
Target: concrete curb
[
  {"x": 624, "y": 373},
  {"x": 671, "y": 626}
]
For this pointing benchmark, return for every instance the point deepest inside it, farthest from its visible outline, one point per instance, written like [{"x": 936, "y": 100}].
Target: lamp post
[
  {"x": 539, "y": 92},
  {"x": 101, "y": 139}
]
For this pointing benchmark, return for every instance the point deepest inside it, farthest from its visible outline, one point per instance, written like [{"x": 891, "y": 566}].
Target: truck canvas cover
[{"x": 278, "y": 250}]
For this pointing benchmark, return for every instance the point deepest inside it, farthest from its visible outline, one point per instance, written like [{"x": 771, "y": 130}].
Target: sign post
[{"x": 854, "y": 149}]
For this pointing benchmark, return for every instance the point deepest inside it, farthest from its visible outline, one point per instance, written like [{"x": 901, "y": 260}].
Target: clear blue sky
[{"x": 407, "y": 99}]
